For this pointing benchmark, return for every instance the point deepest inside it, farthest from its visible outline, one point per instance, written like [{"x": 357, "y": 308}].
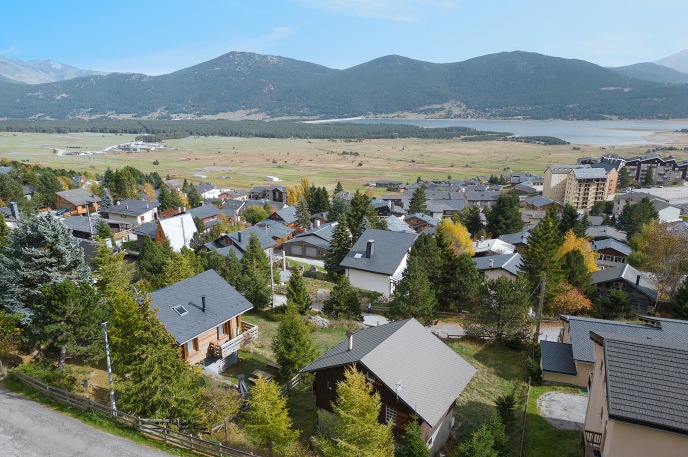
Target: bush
[
  {"x": 534, "y": 371},
  {"x": 156, "y": 162},
  {"x": 506, "y": 408},
  {"x": 48, "y": 373}
]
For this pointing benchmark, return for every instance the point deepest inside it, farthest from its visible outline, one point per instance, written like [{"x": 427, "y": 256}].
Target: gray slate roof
[
  {"x": 516, "y": 238},
  {"x": 610, "y": 243},
  {"x": 557, "y": 357},
  {"x": 538, "y": 201},
  {"x": 605, "y": 231},
  {"x": 432, "y": 375},
  {"x": 508, "y": 262},
  {"x": 288, "y": 214},
  {"x": 630, "y": 276},
  {"x": 317, "y": 236},
  {"x": 148, "y": 229},
  {"x": 81, "y": 223},
  {"x": 129, "y": 207},
  {"x": 647, "y": 381},
  {"x": 204, "y": 211},
  {"x": 589, "y": 173},
  {"x": 394, "y": 224},
  {"x": 5, "y": 170},
  {"x": 266, "y": 240},
  {"x": 390, "y": 250},
  {"x": 223, "y": 302},
  {"x": 275, "y": 229},
  {"x": 433, "y": 221},
  {"x": 79, "y": 197},
  {"x": 583, "y": 348}
]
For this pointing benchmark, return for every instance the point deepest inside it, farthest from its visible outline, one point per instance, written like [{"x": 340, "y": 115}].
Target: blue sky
[{"x": 161, "y": 36}]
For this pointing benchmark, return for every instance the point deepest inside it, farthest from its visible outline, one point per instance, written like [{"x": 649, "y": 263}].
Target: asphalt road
[{"x": 29, "y": 429}]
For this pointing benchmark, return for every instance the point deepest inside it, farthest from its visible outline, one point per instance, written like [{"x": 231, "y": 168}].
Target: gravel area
[{"x": 564, "y": 411}]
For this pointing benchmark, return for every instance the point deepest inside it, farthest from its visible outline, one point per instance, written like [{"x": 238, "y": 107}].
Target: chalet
[
  {"x": 641, "y": 290},
  {"x": 287, "y": 216},
  {"x": 208, "y": 214},
  {"x": 518, "y": 239},
  {"x": 538, "y": 202},
  {"x": 378, "y": 259},
  {"x": 204, "y": 315},
  {"x": 240, "y": 240},
  {"x": 387, "y": 184},
  {"x": 570, "y": 359},
  {"x": 274, "y": 193},
  {"x": 208, "y": 191},
  {"x": 532, "y": 217},
  {"x": 387, "y": 208},
  {"x": 637, "y": 397},
  {"x": 173, "y": 184},
  {"x": 496, "y": 266},
  {"x": 484, "y": 199},
  {"x": 319, "y": 219},
  {"x": 312, "y": 244},
  {"x": 610, "y": 253},
  {"x": 601, "y": 232},
  {"x": 278, "y": 231},
  {"x": 233, "y": 209},
  {"x": 76, "y": 201},
  {"x": 85, "y": 227},
  {"x": 147, "y": 230},
  {"x": 29, "y": 191},
  {"x": 491, "y": 247},
  {"x": 413, "y": 371},
  {"x": 395, "y": 224},
  {"x": 132, "y": 212},
  {"x": 235, "y": 194},
  {"x": 419, "y": 221},
  {"x": 177, "y": 230},
  {"x": 444, "y": 208}
]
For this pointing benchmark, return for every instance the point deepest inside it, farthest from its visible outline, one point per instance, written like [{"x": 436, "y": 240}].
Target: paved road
[{"x": 28, "y": 429}]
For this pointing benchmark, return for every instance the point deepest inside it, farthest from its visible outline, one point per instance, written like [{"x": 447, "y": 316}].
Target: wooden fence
[{"x": 155, "y": 429}]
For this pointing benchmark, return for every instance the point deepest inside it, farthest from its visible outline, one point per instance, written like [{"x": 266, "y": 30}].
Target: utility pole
[
  {"x": 109, "y": 367},
  {"x": 539, "y": 313},
  {"x": 272, "y": 283}
]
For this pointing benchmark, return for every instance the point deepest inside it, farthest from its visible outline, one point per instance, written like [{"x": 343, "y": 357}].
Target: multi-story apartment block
[
  {"x": 664, "y": 171},
  {"x": 585, "y": 187},
  {"x": 554, "y": 187}
]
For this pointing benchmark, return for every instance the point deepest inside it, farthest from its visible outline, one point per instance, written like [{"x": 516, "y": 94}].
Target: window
[
  {"x": 390, "y": 415},
  {"x": 192, "y": 346},
  {"x": 221, "y": 331},
  {"x": 370, "y": 377}
]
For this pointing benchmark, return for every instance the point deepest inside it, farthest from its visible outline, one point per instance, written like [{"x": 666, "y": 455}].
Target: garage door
[
  {"x": 296, "y": 249},
  {"x": 311, "y": 252}
]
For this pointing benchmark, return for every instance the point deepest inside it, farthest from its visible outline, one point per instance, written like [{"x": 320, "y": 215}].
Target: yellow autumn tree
[
  {"x": 456, "y": 236},
  {"x": 571, "y": 242},
  {"x": 569, "y": 300},
  {"x": 293, "y": 195},
  {"x": 305, "y": 188},
  {"x": 149, "y": 192},
  {"x": 183, "y": 199}
]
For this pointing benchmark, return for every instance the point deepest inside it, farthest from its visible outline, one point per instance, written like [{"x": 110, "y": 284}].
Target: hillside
[
  {"x": 40, "y": 71},
  {"x": 649, "y": 71},
  {"x": 514, "y": 84}
]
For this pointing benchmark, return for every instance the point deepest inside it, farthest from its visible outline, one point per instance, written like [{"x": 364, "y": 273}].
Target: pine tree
[
  {"x": 635, "y": 215},
  {"x": 194, "y": 197},
  {"x": 105, "y": 198},
  {"x": 102, "y": 229},
  {"x": 152, "y": 259},
  {"x": 459, "y": 281},
  {"x": 426, "y": 251},
  {"x": 344, "y": 302},
  {"x": 413, "y": 444},
  {"x": 48, "y": 184},
  {"x": 615, "y": 305},
  {"x": 504, "y": 217},
  {"x": 624, "y": 179},
  {"x": 338, "y": 188},
  {"x": 570, "y": 220},
  {"x": 256, "y": 255},
  {"x": 339, "y": 210},
  {"x": 418, "y": 202},
  {"x": 4, "y": 231},
  {"x": 255, "y": 285},
  {"x": 39, "y": 252},
  {"x": 470, "y": 217},
  {"x": 679, "y": 304},
  {"x": 303, "y": 215},
  {"x": 178, "y": 267},
  {"x": 297, "y": 295},
  {"x": 164, "y": 199},
  {"x": 354, "y": 426},
  {"x": 414, "y": 296},
  {"x": 267, "y": 420},
  {"x": 361, "y": 208},
  {"x": 340, "y": 245},
  {"x": 292, "y": 345},
  {"x": 69, "y": 316},
  {"x": 112, "y": 273},
  {"x": 576, "y": 271}
]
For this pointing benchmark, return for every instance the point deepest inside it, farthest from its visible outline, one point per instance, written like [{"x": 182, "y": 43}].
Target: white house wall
[{"x": 369, "y": 281}]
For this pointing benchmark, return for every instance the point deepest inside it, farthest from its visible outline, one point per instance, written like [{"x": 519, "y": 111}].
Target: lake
[{"x": 602, "y": 133}]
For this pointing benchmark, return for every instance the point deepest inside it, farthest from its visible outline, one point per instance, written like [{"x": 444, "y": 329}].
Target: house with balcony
[
  {"x": 498, "y": 266},
  {"x": 312, "y": 243},
  {"x": 414, "y": 372},
  {"x": 637, "y": 397},
  {"x": 132, "y": 212},
  {"x": 204, "y": 315},
  {"x": 609, "y": 252},
  {"x": 76, "y": 201}
]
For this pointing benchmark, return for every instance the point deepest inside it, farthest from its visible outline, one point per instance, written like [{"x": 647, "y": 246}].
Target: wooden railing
[
  {"x": 249, "y": 332},
  {"x": 593, "y": 439}
]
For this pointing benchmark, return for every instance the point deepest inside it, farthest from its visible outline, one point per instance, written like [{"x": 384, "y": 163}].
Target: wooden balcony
[
  {"x": 249, "y": 332},
  {"x": 592, "y": 442}
]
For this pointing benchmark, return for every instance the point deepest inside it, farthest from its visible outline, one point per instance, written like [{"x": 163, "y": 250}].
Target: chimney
[
  {"x": 482, "y": 238},
  {"x": 118, "y": 202},
  {"x": 317, "y": 223},
  {"x": 350, "y": 340},
  {"x": 370, "y": 249},
  {"x": 637, "y": 280},
  {"x": 203, "y": 302},
  {"x": 14, "y": 210},
  {"x": 491, "y": 263},
  {"x": 126, "y": 206},
  {"x": 146, "y": 205},
  {"x": 239, "y": 236}
]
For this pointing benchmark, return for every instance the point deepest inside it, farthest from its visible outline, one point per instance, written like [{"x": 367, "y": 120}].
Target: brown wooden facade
[
  {"x": 325, "y": 388},
  {"x": 74, "y": 210},
  {"x": 640, "y": 302},
  {"x": 196, "y": 350}
]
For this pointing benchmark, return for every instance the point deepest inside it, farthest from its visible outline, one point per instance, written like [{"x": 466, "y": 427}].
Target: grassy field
[{"x": 244, "y": 162}]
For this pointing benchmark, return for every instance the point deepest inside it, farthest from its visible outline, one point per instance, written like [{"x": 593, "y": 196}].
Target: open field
[{"x": 230, "y": 162}]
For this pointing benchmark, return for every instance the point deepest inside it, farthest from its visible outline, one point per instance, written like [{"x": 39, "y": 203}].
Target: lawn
[{"x": 544, "y": 440}]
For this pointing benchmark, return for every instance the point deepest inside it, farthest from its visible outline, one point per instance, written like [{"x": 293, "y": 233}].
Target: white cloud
[{"x": 393, "y": 10}]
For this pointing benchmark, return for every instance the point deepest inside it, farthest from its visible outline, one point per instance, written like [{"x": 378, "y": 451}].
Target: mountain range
[
  {"x": 506, "y": 85},
  {"x": 39, "y": 71}
]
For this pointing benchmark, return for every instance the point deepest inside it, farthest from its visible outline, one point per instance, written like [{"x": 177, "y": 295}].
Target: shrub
[
  {"x": 534, "y": 371},
  {"x": 48, "y": 373},
  {"x": 156, "y": 162},
  {"x": 506, "y": 407}
]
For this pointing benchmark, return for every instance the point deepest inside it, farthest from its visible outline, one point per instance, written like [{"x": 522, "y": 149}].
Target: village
[{"x": 511, "y": 314}]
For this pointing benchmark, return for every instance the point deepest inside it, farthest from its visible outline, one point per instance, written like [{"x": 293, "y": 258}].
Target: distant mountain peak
[
  {"x": 677, "y": 61},
  {"x": 40, "y": 71}
]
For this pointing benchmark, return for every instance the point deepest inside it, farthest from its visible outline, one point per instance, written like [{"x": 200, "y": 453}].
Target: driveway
[{"x": 29, "y": 429}]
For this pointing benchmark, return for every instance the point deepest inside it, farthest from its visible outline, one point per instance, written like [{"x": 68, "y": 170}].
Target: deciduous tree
[{"x": 454, "y": 236}]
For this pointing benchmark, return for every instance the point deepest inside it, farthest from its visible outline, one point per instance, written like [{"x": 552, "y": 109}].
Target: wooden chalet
[{"x": 76, "y": 201}]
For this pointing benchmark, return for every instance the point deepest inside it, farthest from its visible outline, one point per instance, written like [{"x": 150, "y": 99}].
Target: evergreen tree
[
  {"x": 320, "y": 201},
  {"x": 624, "y": 179},
  {"x": 297, "y": 295},
  {"x": 164, "y": 199},
  {"x": 576, "y": 271},
  {"x": 344, "y": 301},
  {"x": 178, "y": 267},
  {"x": 616, "y": 304},
  {"x": 459, "y": 281},
  {"x": 426, "y": 251},
  {"x": 10, "y": 190},
  {"x": 227, "y": 267},
  {"x": 487, "y": 441},
  {"x": 470, "y": 217},
  {"x": 679, "y": 304},
  {"x": 48, "y": 184},
  {"x": 267, "y": 420},
  {"x": 292, "y": 345},
  {"x": 570, "y": 220},
  {"x": 340, "y": 245},
  {"x": 105, "y": 198},
  {"x": 414, "y": 296},
  {"x": 255, "y": 285},
  {"x": 4, "y": 232},
  {"x": 102, "y": 229},
  {"x": 412, "y": 443},
  {"x": 418, "y": 202},
  {"x": 540, "y": 256},
  {"x": 502, "y": 314},
  {"x": 338, "y": 188},
  {"x": 303, "y": 215},
  {"x": 339, "y": 210},
  {"x": 649, "y": 180},
  {"x": 635, "y": 215},
  {"x": 39, "y": 252},
  {"x": 504, "y": 217},
  {"x": 152, "y": 259},
  {"x": 361, "y": 208},
  {"x": 193, "y": 197},
  {"x": 69, "y": 316},
  {"x": 256, "y": 255},
  {"x": 354, "y": 426},
  {"x": 112, "y": 273}
]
